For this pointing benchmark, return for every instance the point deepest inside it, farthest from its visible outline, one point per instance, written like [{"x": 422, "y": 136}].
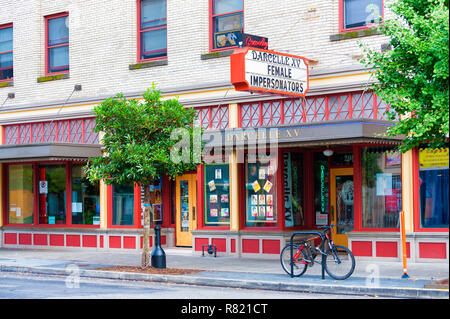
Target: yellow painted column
[
  {"x": 407, "y": 190},
  {"x": 234, "y": 178},
  {"x": 103, "y": 196},
  {"x": 103, "y": 205}
]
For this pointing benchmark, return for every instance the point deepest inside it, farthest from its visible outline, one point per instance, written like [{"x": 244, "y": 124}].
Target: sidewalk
[{"x": 370, "y": 278}]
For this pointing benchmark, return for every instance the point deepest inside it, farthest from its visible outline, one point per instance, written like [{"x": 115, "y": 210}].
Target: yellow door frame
[
  {"x": 339, "y": 239},
  {"x": 185, "y": 238}
]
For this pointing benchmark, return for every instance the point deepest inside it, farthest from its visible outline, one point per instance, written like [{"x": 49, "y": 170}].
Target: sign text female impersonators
[{"x": 265, "y": 71}]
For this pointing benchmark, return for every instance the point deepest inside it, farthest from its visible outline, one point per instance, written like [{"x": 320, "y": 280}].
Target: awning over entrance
[
  {"x": 308, "y": 134},
  {"x": 48, "y": 152}
]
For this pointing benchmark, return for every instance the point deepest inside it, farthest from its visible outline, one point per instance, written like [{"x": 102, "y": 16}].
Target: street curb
[{"x": 398, "y": 292}]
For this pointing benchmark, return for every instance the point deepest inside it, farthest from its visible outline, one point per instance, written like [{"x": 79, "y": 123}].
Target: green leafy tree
[
  {"x": 412, "y": 73},
  {"x": 143, "y": 140}
]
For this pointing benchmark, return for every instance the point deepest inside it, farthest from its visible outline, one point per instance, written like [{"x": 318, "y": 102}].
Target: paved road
[{"x": 32, "y": 286}]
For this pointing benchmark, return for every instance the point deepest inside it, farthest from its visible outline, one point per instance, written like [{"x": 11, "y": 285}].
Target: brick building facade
[{"x": 61, "y": 58}]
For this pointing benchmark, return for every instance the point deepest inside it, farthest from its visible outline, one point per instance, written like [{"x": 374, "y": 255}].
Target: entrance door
[
  {"x": 341, "y": 201},
  {"x": 186, "y": 199}
]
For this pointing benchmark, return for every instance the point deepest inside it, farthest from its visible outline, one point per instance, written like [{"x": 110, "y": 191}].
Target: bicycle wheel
[
  {"x": 339, "y": 262},
  {"x": 285, "y": 257}
]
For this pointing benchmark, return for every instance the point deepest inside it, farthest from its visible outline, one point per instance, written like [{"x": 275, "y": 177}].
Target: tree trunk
[{"x": 147, "y": 212}]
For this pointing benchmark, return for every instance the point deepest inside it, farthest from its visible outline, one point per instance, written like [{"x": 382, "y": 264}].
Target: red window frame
[
  {"x": 140, "y": 31},
  {"x": 6, "y": 26},
  {"x": 47, "y": 47},
  {"x": 279, "y": 185},
  {"x": 136, "y": 208},
  {"x": 36, "y": 223},
  {"x": 416, "y": 197},
  {"x": 357, "y": 186},
  {"x": 341, "y": 18},
  {"x": 211, "y": 24}
]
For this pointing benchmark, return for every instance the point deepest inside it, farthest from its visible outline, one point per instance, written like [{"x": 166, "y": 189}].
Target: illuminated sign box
[{"x": 266, "y": 71}]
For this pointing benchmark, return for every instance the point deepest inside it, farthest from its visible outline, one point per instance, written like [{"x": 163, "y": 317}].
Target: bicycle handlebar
[{"x": 326, "y": 227}]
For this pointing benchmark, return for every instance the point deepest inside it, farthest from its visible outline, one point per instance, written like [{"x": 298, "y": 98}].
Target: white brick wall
[{"x": 103, "y": 43}]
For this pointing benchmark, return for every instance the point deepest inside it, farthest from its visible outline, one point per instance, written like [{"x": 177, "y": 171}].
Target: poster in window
[
  {"x": 268, "y": 186},
  {"x": 227, "y": 39},
  {"x": 256, "y": 186},
  {"x": 262, "y": 211},
  {"x": 224, "y": 212},
  {"x": 213, "y": 212},
  {"x": 157, "y": 212},
  {"x": 269, "y": 200},
  {"x": 218, "y": 173},
  {"x": 212, "y": 186},
  {"x": 262, "y": 200},
  {"x": 269, "y": 212},
  {"x": 43, "y": 187},
  {"x": 252, "y": 170},
  {"x": 224, "y": 198},
  {"x": 262, "y": 173},
  {"x": 213, "y": 198},
  {"x": 254, "y": 200},
  {"x": 254, "y": 210},
  {"x": 384, "y": 184},
  {"x": 393, "y": 158},
  {"x": 433, "y": 158}
]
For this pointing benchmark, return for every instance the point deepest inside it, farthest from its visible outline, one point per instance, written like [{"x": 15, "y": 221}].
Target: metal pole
[
  {"x": 403, "y": 237},
  {"x": 323, "y": 256},
  {"x": 292, "y": 255}
]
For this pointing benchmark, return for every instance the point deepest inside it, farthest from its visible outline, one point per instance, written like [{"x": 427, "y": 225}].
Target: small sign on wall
[
  {"x": 43, "y": 187},
  {"x": 321, "y": 219}
]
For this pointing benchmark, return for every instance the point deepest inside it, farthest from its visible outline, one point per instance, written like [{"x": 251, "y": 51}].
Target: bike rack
[{"x": 292, "y": 250}]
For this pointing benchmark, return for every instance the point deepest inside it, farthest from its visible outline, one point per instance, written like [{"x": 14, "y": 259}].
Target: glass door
[
  {"x": 185, "y": 195},
  {"x": 341, "y": 202}
]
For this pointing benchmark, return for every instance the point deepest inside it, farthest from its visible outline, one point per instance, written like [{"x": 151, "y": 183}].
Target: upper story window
[
  {"x": 356, "y": 14},
  {"x": 57, "y": 43},
  {"x": 152, "y": 35},
  {"x": 227, "y": 23},
  {"x": 6, "y": 52}
]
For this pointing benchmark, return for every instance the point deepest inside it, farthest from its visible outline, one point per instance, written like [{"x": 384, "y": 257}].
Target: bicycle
[{"x": 339, "y": 260}]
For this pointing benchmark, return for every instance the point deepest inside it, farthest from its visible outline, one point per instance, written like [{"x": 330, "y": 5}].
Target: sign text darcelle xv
[{"x": 265, "y": 71}]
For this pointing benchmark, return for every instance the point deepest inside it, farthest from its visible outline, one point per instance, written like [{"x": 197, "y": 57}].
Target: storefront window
[
  {"x": 217, "y": 195},
  {"x": 20, "y": 194},
  {"x": 156, "y": 217},
  {"x": 227, "y": 23},
  {"x": 85, "y": 198},
  {"x": 321, "y": 186},
  {"x": 294, "y": 210},
  {"x": 52, "y": 194},
  {"x": 361, "y": 13},
  {"x": 433, "y": 187},
  {"x": 381, "y": 187},
  {"x": 260, "y": 194},
  {"x": 123, "y": 205}
]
